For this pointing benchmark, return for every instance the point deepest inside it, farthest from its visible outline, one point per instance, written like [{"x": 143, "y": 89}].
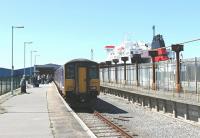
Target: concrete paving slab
[
  {"x": 26, "y": 115},
  {"x": 41, "y": 113},
  {"x": 64, "y": 125}
]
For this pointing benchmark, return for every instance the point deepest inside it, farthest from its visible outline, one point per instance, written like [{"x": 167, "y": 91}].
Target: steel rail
[{"x": 118, "y": 129}]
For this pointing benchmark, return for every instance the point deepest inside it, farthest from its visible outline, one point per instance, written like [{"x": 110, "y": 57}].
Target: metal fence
[
  {"x": 5, "y": 84},
  {"x": 165, "y": 78}
]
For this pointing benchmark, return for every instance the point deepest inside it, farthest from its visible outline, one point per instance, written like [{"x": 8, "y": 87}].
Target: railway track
[{"x": 103, "y": 126}]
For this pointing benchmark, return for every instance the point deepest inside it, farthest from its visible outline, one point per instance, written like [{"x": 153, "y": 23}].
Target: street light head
[
  {"x": 18, "y": 26},
  {"x": 28, "y": 42}
]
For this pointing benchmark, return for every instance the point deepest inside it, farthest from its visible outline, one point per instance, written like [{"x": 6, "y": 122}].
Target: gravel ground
[{"x": 147, "y": 123}]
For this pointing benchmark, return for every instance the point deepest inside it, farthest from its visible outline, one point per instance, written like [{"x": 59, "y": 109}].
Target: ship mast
[
  {"x": 154, "y": 31},
  {"x": 92, "y": 54}
]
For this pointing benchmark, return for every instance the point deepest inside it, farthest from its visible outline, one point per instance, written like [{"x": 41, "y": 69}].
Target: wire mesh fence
[
  {"x": 5, "y": 84},
  {"x": 165, "y": 78}
]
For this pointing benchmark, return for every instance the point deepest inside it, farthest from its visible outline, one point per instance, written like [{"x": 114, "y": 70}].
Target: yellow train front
[{"x": 81, "y": 82}]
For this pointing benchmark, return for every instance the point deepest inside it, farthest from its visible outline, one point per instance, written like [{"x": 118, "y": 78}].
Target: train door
[{"x": 82, "y": 79}]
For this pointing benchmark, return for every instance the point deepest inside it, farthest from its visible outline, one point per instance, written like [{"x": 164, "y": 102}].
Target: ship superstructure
[{"x": 127, "y": 49}]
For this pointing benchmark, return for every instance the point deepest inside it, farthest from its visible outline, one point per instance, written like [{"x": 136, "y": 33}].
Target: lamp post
[
  {"x": 35, "y": 62},
  {"x": 12, "y": 68},
  {"x": 25, "y": 56},
  {"x": 36, "y": 58},
  {"x": 31, "y": 62}
]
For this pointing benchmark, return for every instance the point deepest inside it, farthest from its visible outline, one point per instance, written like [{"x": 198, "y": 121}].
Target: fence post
[
  {"x": 102, "y": 66},
  {"x": 149, "y": 78},
  {"x": 108, "y": 63},
  {"x": 195, "y": 73},
  {"x": 153, "y": 54},
  {"x": 116, "y": 61},
  {"x": 196, "y": 87},
  {"x": 168, "y": 76},
  {"x": 1, "y": 87},
  {"x": 14, "y": 79},
  {"x": 136, "y": 58},
  {"x": 177, "y": 48},
  {"x": 9, "y": 88},
  {"x": 198, "y": 92},
  {"x": 124, "y": 59},
  {"x": 6, "y": 85},
  {"x": 18, "y": 82}
]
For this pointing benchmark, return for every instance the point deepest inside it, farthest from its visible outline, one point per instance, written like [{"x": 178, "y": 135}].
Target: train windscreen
[
  {"x": 70, "y": 71},
  {"x": 93, "y": 72}
]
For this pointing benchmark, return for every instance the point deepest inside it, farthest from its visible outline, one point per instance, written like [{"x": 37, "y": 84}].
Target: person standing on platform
[{"x": 23, "y": 84}]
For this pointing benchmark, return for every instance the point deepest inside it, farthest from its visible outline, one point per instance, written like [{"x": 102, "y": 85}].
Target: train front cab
[{"x": 81, "y": 83}]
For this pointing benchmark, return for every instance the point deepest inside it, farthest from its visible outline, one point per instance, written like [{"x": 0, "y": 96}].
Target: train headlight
[
  {"x": 93, "y": 87},
  {"x": 82, "y": 100}
]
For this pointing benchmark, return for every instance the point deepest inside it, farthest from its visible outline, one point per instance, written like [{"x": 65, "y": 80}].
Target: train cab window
[
  {"x": 93, "y": 72},
  {"x": 70, "y": 71}
]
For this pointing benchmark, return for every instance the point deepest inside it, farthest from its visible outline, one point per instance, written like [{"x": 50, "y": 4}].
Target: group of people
[{"x": 35, "y": 81}]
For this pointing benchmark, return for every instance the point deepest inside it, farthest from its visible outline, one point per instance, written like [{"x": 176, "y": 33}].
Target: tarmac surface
[{"x": 37, "y": 114}]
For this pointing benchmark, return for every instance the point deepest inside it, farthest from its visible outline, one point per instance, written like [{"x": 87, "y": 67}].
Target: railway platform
[
  {"x": 41, "y": 113},
  {"x": 180, "y": 105}
]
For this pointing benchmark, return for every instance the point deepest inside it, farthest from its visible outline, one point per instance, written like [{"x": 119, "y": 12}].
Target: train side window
[
  {"x": 93, "y": 73},
  {"x": 70, "y": 71}
]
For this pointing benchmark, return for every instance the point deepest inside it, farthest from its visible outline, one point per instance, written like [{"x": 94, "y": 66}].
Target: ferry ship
[{"x": 128, "y": 48}]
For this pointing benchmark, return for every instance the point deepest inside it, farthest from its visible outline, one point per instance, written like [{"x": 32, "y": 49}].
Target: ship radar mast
[
  {"x": 154, "y": 30},
  {"x": 92, "y": 54}
]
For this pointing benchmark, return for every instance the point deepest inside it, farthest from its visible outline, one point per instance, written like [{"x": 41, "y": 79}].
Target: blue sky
[{"x": 62, "y": 30}]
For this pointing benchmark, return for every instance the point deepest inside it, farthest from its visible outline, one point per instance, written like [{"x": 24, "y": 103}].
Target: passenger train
[{"x": 78, "y": 82}]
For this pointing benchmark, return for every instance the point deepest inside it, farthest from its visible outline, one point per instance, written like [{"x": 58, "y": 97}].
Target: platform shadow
[
  {"x": 102, "y": 107},
  {"x": 105, "y": 107}
]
